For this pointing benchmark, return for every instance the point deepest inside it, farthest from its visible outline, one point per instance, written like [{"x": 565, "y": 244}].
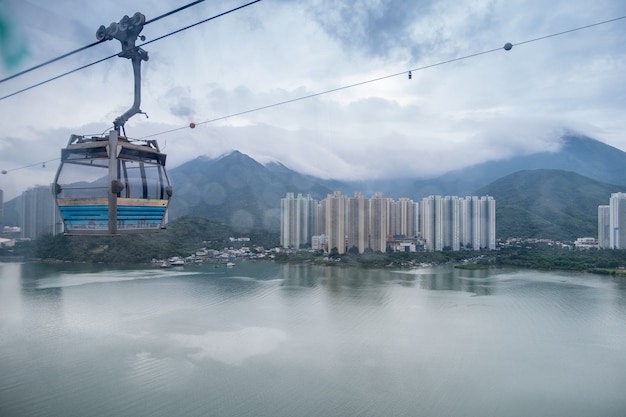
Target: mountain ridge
[
  {"x": 236, "y": 190},
  {"x": 547, "y": 203},
  {"x": 579, "y": 159}
]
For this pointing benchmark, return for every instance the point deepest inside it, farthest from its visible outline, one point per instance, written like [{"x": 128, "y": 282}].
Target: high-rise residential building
[
  {"x": 617, "y": 221},
  {"x": 335, "y": 207},
  {"x": 379, "y": 222},
  {"x": 489, "y": 224},
  {"x": 416, "y": 219},
  {"x": 604, "y": 227},
  {"x": 451, "y": 228},
  {"x": 1, "y": 210},
  {"x": 298, "y": 220},
  {"x": 427, "y": 221},
  {"x": 358, "y": 223},
  {"x": 482, "y": 214},
  {"x": 452, "y": 222},
  {"x": 404, "y": 217},
  {"x": 39, "y": 214}
]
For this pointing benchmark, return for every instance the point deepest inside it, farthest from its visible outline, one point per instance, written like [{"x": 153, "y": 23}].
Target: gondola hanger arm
[{"x": 127, "y": 31}]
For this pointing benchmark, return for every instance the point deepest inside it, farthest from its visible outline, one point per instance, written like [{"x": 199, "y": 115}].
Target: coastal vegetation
[
  {"x": 542, "y": 256},
  {"x": 555, "y": 257},
  {"x": 186, "y": 235},
  {"x": 182, "y": 237}
]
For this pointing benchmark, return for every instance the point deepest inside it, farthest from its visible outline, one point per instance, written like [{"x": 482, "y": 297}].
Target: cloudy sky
[{"x": 491, "y": 105}]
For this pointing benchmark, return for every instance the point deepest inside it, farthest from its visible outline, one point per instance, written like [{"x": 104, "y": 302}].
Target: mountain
[
  {"x": 236, "y": 190},
  {"x": 547, "y": 194},
  {"x": 547, "y": 204},
  {"x": 580, "y": 154}
]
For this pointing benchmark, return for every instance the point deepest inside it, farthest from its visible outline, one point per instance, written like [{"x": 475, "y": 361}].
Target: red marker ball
[{"x": 192, "y": 125}]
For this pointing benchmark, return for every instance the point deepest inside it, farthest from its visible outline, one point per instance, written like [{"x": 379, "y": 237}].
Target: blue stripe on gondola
[
  {"x": 141, "y": 208},
  {"x": 96, "y": 217},
  {"x": 105, "y": 208}
]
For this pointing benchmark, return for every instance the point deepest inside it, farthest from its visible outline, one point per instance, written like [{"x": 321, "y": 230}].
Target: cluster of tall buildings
[
  {"x": 612, "y": 223},
  {"x": 37, "y": 212},
  {"x": 357, "y": 223}
]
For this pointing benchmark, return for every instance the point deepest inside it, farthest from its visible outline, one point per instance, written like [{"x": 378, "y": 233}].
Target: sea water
[{"x": 267, "y": 339}]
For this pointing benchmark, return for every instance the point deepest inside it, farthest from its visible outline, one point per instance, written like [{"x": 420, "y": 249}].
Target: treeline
[
  {"x": 531, "y": 256},
  {"x": 186, "y": 235},
  {"x": 545, "y": 256},
  {"x": 181, "y": 238}
]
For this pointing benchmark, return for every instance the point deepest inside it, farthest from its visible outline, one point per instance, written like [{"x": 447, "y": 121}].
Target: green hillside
[
  {"x": 547, "y": 204},
  {"x": 181, "y": 238}
]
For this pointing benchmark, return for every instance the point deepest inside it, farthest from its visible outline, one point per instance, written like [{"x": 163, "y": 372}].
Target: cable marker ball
[
  {"x": 192, "y": 125},
  {"x": 508, "y": 46}
]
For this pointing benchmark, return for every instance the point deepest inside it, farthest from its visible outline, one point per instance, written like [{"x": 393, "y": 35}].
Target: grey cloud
[{"x": 374, "y": 27}]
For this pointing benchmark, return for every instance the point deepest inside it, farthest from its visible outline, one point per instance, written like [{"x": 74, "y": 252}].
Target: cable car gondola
[{"x": 110, "y": 184}]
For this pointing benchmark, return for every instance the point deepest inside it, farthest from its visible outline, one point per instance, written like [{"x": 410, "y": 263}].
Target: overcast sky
[{"x": 447, "y": 116}]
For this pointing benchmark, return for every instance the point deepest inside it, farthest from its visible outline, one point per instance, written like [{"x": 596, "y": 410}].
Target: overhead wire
[
  {"x": 332, "y": 90},
  {"x": 43, "y": 64},
  {"x": 115, "y": 55},
  {"x": 43, "y": 163},
  {"x": 201, "y": 22},
  {"x": 507, "y": 47},
  {"x": 181, "y": 8}
]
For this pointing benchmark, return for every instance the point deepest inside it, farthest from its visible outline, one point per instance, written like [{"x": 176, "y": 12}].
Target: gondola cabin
[{"x": 110, "y": 185}]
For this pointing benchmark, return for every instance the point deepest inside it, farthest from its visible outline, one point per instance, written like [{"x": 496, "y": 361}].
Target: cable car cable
[
  {"x": 507, "y": 47},
  {"x": 200, "y": 22},
  {"x": 115, "y": 55},
  {"x": 173, "y": 12},
  {"x": 572, "y": 30},
  {"x": 43, "y": 64},
  {"x": 43, "y": 164}
]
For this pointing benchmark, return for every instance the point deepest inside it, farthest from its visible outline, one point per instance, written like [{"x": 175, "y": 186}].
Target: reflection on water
[
  {"x": 450, "y": 279},
  {"x": 263, "y": 339}
]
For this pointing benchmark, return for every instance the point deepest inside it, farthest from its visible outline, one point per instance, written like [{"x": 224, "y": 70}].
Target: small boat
[
  {"x": 176, "y": 261},
  {"x": 229, "y": 264}
]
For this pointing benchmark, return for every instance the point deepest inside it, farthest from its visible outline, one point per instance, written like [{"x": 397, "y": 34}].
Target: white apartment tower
[
  {"x": 428, "y": 220},
  {"x": 604, "y": 227},
  {"x": 358, "y": 223},
  {"x": 617, "y": 221},
  {"x": 482, "y": 218},
  {"x": 335, "y": 208},
  {"x": 379, "y": 222},
  {"x": 452, "y": 222},
  {"x": 38, "y": 213},
  {"x": 349, "y": 223},
  {"x": 404, "y": 218},
  {"x": 298, "y": 220}
]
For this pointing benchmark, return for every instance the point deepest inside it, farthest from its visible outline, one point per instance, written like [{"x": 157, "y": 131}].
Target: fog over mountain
[
  {"x": 552, "y": 193},
  {"x": 548, "y": 203},
  {"x": 237, "y": 190}
]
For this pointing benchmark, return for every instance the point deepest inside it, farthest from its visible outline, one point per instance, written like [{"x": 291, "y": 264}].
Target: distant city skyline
[
  {"x": 612, "y": 223},
  {"x": 38, "y": 213},
  {"x": 344, "y": 223}
]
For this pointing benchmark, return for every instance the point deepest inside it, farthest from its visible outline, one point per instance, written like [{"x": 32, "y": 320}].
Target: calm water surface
[{"x": 262, "y": 339}]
